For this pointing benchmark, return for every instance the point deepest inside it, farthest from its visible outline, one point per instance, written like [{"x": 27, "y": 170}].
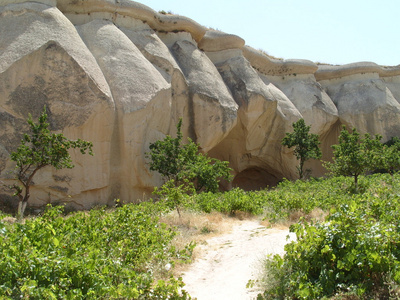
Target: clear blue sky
[{"x": 335, "y": 32}]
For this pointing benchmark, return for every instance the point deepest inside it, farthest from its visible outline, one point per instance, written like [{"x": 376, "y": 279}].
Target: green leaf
[{"x": 56, "y": 242}]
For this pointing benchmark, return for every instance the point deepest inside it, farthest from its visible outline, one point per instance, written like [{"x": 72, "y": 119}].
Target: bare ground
[{"x": 226, "y": 263}]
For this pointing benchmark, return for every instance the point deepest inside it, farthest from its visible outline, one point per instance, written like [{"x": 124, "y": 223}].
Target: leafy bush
[
  {"x": 355, "y": 156},
  {"x": 229, "y": 202},
  {"x": 391, "y": 155},
  {"x": 305, "y": 196},
  {"x": 356, "y": 251},
  {"x": 184, "y": 163},
  {"x": 89, "y": 255},
  {"x": 279, "y": 203},
  {"x": 173, "y": 196}
]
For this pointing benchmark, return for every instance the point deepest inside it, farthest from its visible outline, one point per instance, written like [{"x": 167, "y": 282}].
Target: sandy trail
[{"x": 229, "y": 261}]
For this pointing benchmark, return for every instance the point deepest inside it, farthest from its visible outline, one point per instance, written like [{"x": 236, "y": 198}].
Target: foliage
[
  {"x": 278, "y": 204},
  {"x": 174, "y": 196},
  {"x": 230, "y": 202},
  {"x": 303, "y": 197},
  {"x": 163, "y": 12},
  {"x": 289, "y": 199},
  {"x": 38, "y": 149},
  {"x": 356, "y": 251},
  {"x": 306, "y": 144},
  {"x": 180, "y": 162},
  {"x": 90, "y": 255},
  {"x": 391, "y": 155},
  {"x": 354, "y": 156}
]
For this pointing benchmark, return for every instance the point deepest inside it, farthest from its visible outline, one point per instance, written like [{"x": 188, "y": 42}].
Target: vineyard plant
[
  {"x": 353, "y": 254},
  {"x": 117, "y": 254}
]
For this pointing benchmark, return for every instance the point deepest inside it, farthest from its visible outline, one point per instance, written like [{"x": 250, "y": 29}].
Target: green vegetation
[
  {"x": 38, "y": 149},
  {"x": 306, "y": 145},
  {"x": 163, "y": 12},
  {"x": 391, "y": 155},
  {"x": 90, "y": 255},
  {"x": 354, "y": 156},
  {"x": 174, "y": 196},
  {"x": 354, "y": 253},
  {"x": 288, "y": 201},
  {"x": 183, "y": 163},
  {"x": 185, "y": 169},
  {"x": 96, "y": 254}
]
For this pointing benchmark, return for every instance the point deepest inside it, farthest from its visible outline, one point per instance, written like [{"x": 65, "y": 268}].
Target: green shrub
[
  {"x": 356, "y": 251},
  {"x": 229, "y": 202},
  {"x": 173, "y": 196},
  {"x": 304, "y": 196},
  {"x": 355, "y": 156},
  {"x": 89, "y": 255},
  {"x": 279, "y": 203},
  {"x": 180, "y": 163}
]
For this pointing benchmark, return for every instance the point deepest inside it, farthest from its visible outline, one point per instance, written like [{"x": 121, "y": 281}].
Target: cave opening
[{"x": 253, "y": 179}]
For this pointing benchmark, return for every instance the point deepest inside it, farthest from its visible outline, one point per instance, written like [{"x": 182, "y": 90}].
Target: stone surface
[
  {"x": 264, "y": 115},
  {"x": 121, "y": 9},
  {"x": 44, "y": 62},
  {"x": 271, "y": 66},
  {"x": 121, "y": 75},
  {"x": 215, "y": 40},
  {"x": 366, "y": 103},
  {"x": 214, "y": 110},
  {"x": 143, "y": 102}
]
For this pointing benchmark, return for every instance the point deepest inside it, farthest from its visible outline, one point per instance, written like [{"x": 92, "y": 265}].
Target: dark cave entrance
[{"x": 255, "y": 178}]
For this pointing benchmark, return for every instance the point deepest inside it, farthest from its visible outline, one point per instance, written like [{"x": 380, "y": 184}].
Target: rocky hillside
[{"x": 119, "y": 74}]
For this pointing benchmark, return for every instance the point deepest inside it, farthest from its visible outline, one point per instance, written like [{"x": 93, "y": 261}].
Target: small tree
[
  {"x": 175, "y": 195},
  {"x": 38, "y": 149},
  {"x": 391, "y": 155},
  {"x": 354, "y": 156},
  {"x": 179, "y": 162},
  {"x": 306, "y": 144}
]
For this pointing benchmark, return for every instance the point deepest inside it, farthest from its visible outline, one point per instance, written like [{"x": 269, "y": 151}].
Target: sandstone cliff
[{"x": 119, "y": 74}]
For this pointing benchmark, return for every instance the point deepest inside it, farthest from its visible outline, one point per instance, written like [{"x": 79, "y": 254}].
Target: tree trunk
[
  {"x": 179, "y": 211},
  {"x": 21, "y": 209},
  {"x": 23, "y": 202},
  {"x": 356, "y": 182},
  {"x": 301, "y": 166}
]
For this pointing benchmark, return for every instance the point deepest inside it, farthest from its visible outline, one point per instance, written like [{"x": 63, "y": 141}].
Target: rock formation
[{"x": 119, "y": 74}]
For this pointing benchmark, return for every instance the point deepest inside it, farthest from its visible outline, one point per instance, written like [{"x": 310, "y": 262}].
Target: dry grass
[
  {"x": 316, "y": 214},
  {"x": 9, "y": 220}
]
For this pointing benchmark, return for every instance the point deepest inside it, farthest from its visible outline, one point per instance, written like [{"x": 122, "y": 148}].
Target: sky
[{"x": 325, "y": 31}]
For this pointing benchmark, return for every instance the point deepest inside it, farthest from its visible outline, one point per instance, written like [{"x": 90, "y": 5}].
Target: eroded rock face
[
  {"x": 364, "y": 101},
  {"x": 119, "y": 74},
  {"x": 44, "y": 62},
  {"x": 142, "y": 100},
  {"x": 214, "y": 110},
  {"x": 264, "y": 114}
]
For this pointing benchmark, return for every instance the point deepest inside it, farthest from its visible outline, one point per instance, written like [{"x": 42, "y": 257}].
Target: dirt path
[{"x": 229, "y": 261}]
